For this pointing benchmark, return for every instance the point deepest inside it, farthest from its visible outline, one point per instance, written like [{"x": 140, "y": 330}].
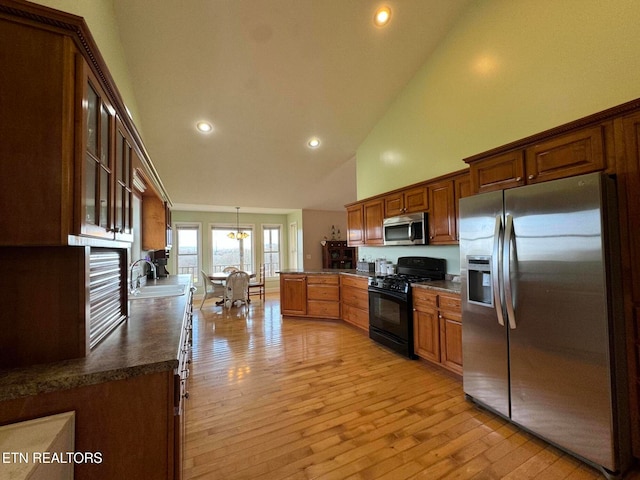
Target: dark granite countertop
[
  {"x": 326, "y": 271},
  {"x": 147, "y": 342},
  {"x": 445, "y": 286}
]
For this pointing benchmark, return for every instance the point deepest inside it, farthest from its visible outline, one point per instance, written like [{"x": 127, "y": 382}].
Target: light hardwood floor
[{"x": 274, "y": 398}]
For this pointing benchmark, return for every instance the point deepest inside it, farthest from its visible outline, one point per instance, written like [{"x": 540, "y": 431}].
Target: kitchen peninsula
[{"x": 334, "y": 294}]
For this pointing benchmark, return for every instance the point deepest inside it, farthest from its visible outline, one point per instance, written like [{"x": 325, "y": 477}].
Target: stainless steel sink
[{"x": 155, "y": 291}]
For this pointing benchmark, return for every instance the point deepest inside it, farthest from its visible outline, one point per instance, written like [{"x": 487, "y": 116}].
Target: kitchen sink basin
[{"x": 155, "y": 291}]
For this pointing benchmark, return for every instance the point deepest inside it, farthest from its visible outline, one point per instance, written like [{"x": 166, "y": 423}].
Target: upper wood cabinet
[
  {"x": 462, "y": 188},
  {"x": 411, "y": 200},
  {"x": 355, "y": 225},
  {"x": 497, "y": 173},
  {"x": 442, "y": 214},
  {"x": 364, "y": 223},
  {"x": 438, "y": 197},
  {"x": 67, "y": 141},
  {"x": 125, "y": 154},
  {"x": 572, "y": 154},
  {"x": 628, "y": 181},
  {"x": 580, "y": 151},
  {"x": 37, "y": 132},
  {"x": 373, "y": 217},
  {"x": 96, "y": 171},
  {"x": 156, "y": 223}
]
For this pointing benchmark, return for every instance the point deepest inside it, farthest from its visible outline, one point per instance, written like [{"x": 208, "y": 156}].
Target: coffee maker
[{"x": 159, "y": 259}]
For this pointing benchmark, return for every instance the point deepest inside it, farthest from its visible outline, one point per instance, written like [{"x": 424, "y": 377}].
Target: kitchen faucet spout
[{"x": 133, "y": 287}]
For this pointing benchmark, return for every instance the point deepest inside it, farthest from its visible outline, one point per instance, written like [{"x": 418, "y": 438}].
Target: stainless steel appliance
[
  {"x": 390, "y": 304},
  {"x": 405, "y": 230},
  {"x": 542, "y": 332}
]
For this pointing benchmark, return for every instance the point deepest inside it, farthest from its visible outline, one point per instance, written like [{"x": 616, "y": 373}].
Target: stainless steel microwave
[{"x": 406, "y": 230}]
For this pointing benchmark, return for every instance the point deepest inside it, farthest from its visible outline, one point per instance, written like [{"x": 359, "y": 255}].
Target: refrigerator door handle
[
  {"x": 506, "y": 271},
  {"x": 495, "y": 269}
]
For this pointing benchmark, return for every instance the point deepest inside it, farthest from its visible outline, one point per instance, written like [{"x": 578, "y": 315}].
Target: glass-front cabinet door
[
  {"x": 123, "y": 204},
  {"x": 97, "y": 197}
]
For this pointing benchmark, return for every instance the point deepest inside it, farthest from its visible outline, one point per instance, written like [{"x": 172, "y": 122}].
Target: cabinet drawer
[
  {"x": 322, "y": 309},
  {"x": 424, "y": 299},
  {"x": 323, "y": 280},
  {"x": 323, "y": 292},
  {"x": 450, "y": 303},
  {"x": 356, "y": 282},
  {"x": 355, "y": 316},
  {"x": 355, "y": 297}
]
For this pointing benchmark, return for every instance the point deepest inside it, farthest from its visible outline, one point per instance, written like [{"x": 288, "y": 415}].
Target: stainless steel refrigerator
[{"x": 542, "y": 323}]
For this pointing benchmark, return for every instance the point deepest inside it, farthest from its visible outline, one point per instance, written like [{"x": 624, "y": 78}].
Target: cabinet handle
[
  {"x": 518, "y": 179},
  {"x": 531, "y": 177}
]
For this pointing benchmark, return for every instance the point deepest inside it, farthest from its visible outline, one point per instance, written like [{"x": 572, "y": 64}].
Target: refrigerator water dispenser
[{"x": 480, "y": 285}]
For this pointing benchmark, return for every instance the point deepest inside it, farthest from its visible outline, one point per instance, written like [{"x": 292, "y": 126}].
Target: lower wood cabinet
[
  {"x": 323, "y": 296},
  {"x": 437, "y": 324},
  {"x": 293, "y": 294},
  {"x": 354, "y": 296},
  {"x": 450, "y": 317},
  {"x": 129, "y": 422},
  {"x": 310, "y": 295}
]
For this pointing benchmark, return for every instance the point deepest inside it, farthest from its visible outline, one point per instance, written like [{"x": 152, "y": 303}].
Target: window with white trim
[
  {"x": 272, "y": 249},
  {"x": 231, "y": 252},
  {"x": 188, "y": 250}
]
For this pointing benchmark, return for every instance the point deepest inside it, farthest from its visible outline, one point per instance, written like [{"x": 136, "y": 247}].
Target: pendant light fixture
[{"x": 237, "y": 235}]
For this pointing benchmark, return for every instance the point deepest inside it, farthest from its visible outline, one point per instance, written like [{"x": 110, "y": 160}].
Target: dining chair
[
  {"x": 236, "y": 288},
  {"x": 230, "y": 269},
  {"x": 258, "y": 284},
  {"x": 211, "y": 289}
]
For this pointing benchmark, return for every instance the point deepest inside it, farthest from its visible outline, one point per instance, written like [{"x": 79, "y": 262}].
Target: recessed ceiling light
[
  {"x": 314, "y": 142},
  {"x": 204, "y": 127},
  {"x": 382, "y": 16}
]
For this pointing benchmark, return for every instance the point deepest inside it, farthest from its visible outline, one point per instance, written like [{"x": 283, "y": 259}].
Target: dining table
[{"x": 221, "y": 277}]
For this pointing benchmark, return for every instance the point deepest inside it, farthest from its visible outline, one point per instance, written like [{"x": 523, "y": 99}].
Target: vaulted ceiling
[{"x": 269, "y": 75}]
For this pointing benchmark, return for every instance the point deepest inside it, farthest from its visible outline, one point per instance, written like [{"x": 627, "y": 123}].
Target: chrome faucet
[{"x": 133, "y": 287}]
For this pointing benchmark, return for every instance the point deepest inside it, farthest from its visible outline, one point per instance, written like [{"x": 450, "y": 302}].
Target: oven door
[{"x": 390, "y": 321}]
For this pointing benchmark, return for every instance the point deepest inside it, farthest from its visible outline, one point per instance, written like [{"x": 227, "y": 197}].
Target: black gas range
[{"x": 390, "y": 302}]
